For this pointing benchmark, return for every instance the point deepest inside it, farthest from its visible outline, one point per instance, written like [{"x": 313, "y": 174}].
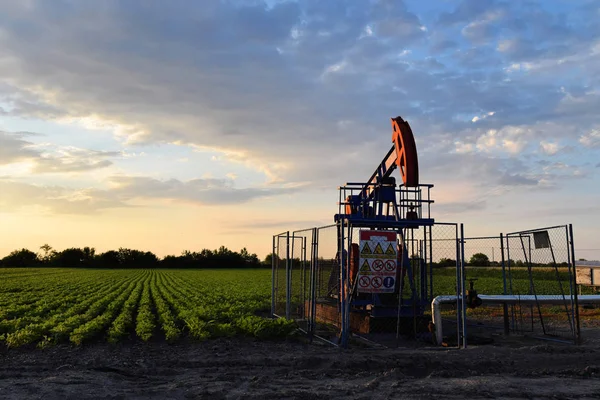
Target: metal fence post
[
  {"x": 574, "y": 290},
  {"x": 273, "y": 264},
  {"x": 303, "y": 278},
  {"x": 463, "y": 309},
  {"x": 505, "y": 305},
  {"x": 288, "y": 303},
  {"x": 315, "y": 278},
  {"x": 431, "y": 262},
  {"x": 458, "y": 296},
  {"x": 310, "y": 328}
]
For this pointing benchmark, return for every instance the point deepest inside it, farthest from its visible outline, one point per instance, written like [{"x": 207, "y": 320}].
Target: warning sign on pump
[
  {"x": 378, "y": 261},
  {"x": 390, "y": 250},
  {"x": 366, "y": 249},
  {"x": 365, "y": 266},
  {"x": 378, "y": 249}
]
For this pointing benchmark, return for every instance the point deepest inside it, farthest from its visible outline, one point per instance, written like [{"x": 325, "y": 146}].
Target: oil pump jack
[{"x": 398, "y": 211}]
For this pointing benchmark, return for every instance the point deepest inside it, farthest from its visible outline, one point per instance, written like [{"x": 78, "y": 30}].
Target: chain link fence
[
  {"x": 540, "y": 264},
  {"x": 315, "y": 283}
]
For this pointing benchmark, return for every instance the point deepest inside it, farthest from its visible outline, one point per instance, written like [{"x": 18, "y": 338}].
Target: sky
[{"x": 171, "y": 126}]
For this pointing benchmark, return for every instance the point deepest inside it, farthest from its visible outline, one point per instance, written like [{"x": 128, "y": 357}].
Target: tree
[
  {"x": 48, "y": 252},
  {"x": 129, "y": 258},
  {"x": 249, "y": 258},
  {"x": 446, "y": 262},
  {"x": 21, "y": 259},
  {"x": 108, "y": 259},
  {"x": 269, "y": 259},
  {"x": 479, "y": 260},
  {"x": 74, "y": 257},
  {"x": 519, "y": 264}
]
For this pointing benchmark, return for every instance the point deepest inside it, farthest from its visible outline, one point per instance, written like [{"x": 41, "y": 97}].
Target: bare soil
[{"x": 294, "y": 369}]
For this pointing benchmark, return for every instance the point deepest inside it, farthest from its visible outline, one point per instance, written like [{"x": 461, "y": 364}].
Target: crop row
[{"x": 80, "y": 306}]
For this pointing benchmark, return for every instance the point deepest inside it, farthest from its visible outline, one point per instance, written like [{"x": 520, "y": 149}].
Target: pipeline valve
[{"x": 473, "y": 301}]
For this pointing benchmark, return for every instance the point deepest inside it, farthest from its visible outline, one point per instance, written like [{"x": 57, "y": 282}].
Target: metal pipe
[{"x": 436, "y": 311}]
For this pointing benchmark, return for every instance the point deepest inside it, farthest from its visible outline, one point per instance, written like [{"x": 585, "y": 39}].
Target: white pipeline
[{"x": 436, "y": 311}]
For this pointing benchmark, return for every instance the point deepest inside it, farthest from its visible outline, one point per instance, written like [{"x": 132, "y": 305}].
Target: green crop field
[
  {"x": 51, "y": 305},
  {"x": 46, "y": 306},
  {"x": 489, "y": 280}
]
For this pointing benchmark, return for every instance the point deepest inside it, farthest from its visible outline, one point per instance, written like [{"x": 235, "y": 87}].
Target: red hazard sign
[
  {"x": 364, "y": 281},
  {"x": 376, "y": 282},
  {"x": 390, "y": 265},
  {"x": 377, "y": 265}
]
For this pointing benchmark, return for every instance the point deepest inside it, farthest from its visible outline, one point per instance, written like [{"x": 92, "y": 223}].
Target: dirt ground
[{"x": 294, "y": 369}]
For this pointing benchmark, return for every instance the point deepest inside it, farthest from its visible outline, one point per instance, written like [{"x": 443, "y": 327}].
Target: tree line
[
  {"x": 222, "y": 257},
  {"x": 87, "y": 257},
  {"x": 482, "y": 260}
]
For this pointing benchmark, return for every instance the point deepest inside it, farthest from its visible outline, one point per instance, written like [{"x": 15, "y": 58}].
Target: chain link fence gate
[
  {"x": 324, "y": 301},
  {"x": 485, "y": 274},
  {"x": 289, "y": 269},
  {"x": 300, "y": 276},
  {"x": 447, "y": 279},
  {"x": 540, "y": 263}
]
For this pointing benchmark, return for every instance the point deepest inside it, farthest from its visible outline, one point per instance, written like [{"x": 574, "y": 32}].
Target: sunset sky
[{"x": 176, "y": 125}]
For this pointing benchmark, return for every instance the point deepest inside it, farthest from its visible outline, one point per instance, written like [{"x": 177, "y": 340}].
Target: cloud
[
  {"x": 283, "y": 224},
  {"x": 591, "y": 139},
  {"x": 201, "y": 191},
  {"x": 247, "y": 80},
  {"x": 461, "y": 207},
  {"x": 484, "y": 116},
  {"x": 482, "y": 29},
  {"x": 72, "y": 159},
  {"x": 56, "y": 199},
  {"x": 13, "y": 148},
  {"x": 517, "y": 180},
  {"x": 130, "y": 191},
  {"x": 48, "y": 158},
  {"x": 465, "y": 12},
  {"x": 549, "y": 148}
]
